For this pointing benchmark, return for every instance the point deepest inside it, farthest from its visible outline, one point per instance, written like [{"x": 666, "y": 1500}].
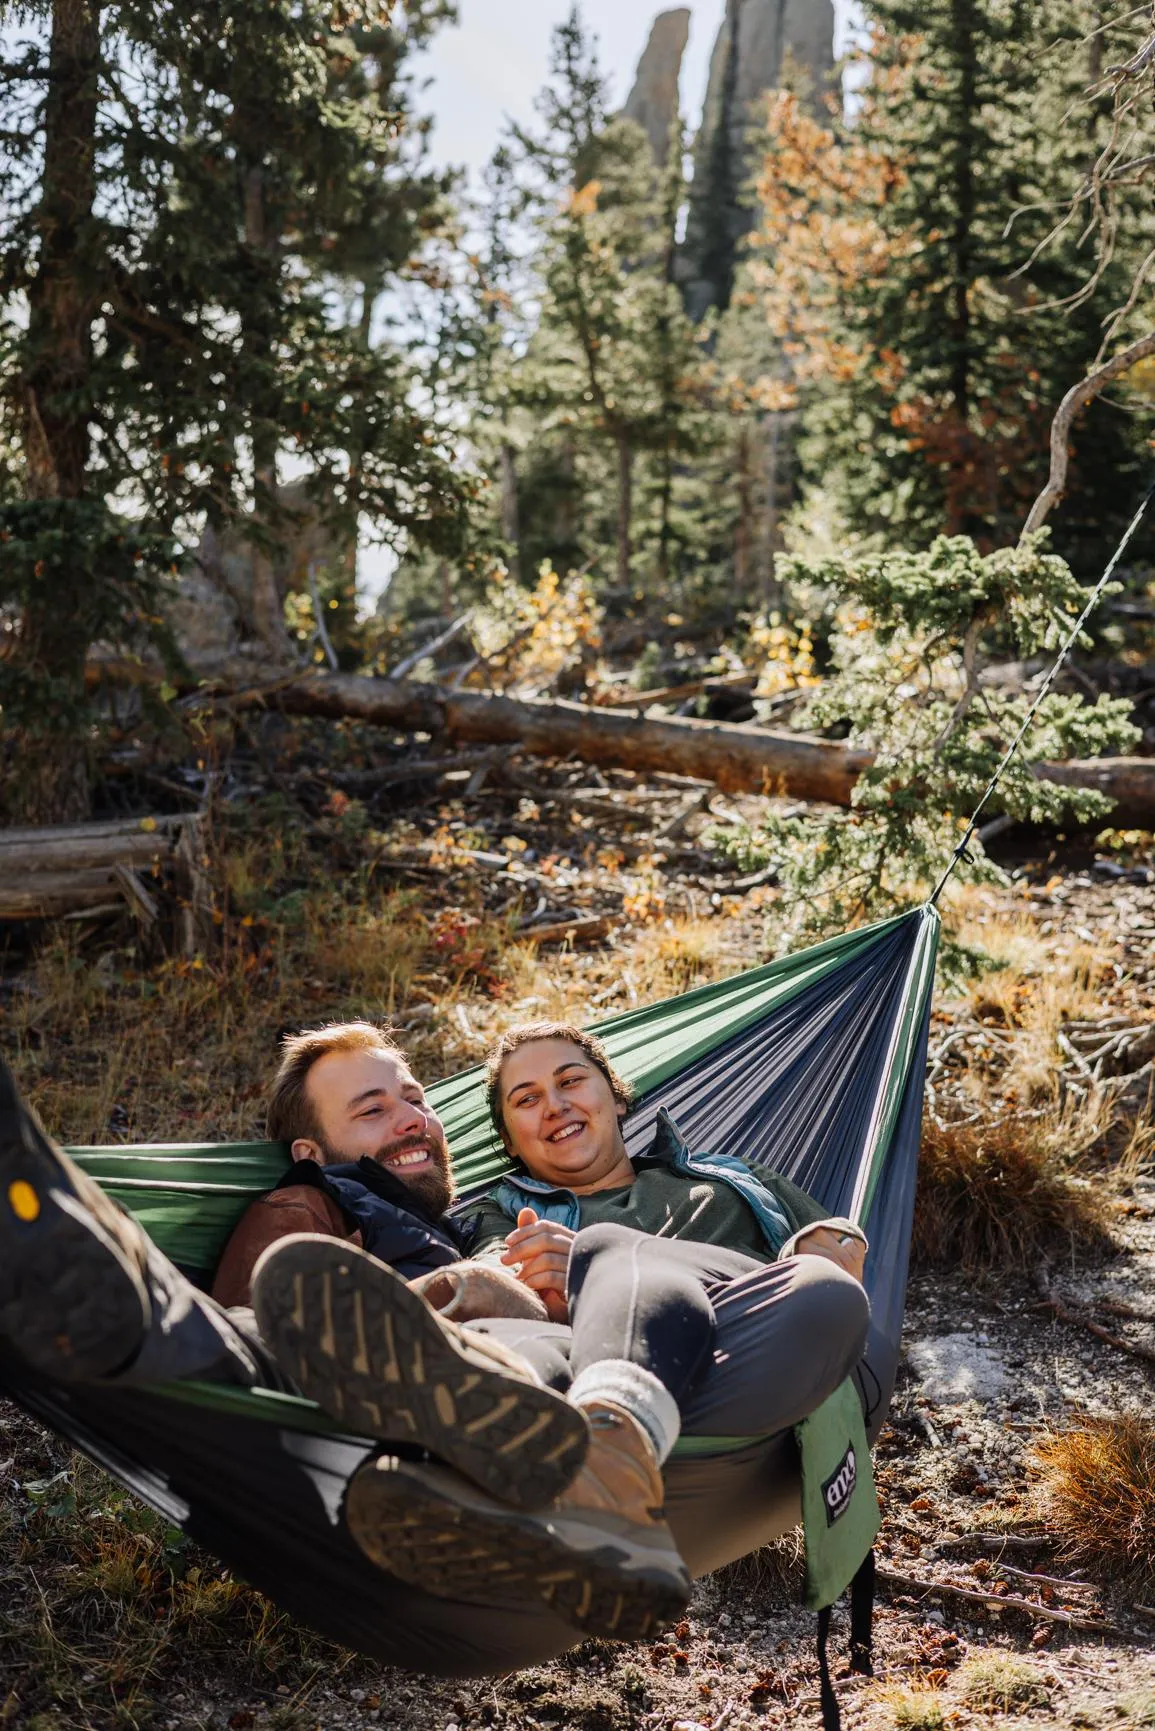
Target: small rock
[{"x": 954, "y": 1368}]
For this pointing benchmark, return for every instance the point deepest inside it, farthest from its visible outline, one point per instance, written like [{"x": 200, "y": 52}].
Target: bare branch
[
  {"x": 1119, "y": 317},
  {"x": 1077, "y": 398}
]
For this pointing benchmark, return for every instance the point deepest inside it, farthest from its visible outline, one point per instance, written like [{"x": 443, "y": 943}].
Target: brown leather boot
[
  {"x": 73, "y": 1298},
  {"x": 601, "y": 1556}
]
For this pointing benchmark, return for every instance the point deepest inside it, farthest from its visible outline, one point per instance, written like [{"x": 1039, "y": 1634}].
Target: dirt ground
[{"x": 109, "y": 1619}]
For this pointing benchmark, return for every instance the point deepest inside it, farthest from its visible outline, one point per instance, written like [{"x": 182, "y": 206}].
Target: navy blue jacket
[{"x": 393, "y": 1223}]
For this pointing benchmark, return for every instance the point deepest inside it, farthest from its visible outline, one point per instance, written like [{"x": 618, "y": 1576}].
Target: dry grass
[
  {"x": 122, "y": 1600},
  {"x": 914, "y": 1709},
  {"x": 999, "y": 1683},
  {"x": 1137, "y": 1707},
  {"x": 1032, "y": 984},
  {"x": 1002, "y": 1193},
  {"x": 110, "y": 1042},
  {"x": 1096, "y": 1491},
  {"x": 773, "y": 1574}
]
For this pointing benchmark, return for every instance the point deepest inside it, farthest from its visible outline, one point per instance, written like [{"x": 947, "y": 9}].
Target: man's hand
[
  {"x": 840, "y": 1247},
  {"x": 542, "y": 1250}
]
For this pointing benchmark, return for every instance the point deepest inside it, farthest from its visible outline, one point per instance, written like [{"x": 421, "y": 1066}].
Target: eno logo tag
[{"x": 839, "y": 1487}]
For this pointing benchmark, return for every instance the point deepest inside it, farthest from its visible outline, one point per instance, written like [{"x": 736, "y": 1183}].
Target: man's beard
[{"x": 433, "y": 1189}]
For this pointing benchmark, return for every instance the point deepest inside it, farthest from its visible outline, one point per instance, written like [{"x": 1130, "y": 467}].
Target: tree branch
[{"x": 1077, "y": 398}]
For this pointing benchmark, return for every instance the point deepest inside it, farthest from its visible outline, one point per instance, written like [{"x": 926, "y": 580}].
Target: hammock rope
[{"x": 1093, "y": 600}]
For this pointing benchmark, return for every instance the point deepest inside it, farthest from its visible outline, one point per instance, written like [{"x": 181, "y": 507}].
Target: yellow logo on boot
[{"x": 23, "y": 1200}]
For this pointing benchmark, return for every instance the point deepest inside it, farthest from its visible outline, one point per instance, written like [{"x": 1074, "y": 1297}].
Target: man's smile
[{"x": 402, "y": 1159}]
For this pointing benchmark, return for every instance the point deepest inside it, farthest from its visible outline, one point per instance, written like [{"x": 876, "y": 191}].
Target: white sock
[{"x": 636, "y": 1391}]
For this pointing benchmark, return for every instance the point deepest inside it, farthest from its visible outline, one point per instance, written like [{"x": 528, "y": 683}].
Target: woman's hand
[
  {"x": 840, "y": 1247},
  {"x": 542, "y": 1251}
]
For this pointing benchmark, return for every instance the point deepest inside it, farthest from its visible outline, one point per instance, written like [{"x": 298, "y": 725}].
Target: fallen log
[
  {"x": 76, "y": 869},
  {"x": 737, "y": 757}
]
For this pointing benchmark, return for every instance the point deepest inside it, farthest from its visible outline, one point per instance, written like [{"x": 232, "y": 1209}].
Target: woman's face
[{"x": 561, "y": 1118}]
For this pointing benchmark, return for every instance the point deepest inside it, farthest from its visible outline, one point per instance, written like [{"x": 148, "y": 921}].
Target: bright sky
[{"x": 493, "y": 62}]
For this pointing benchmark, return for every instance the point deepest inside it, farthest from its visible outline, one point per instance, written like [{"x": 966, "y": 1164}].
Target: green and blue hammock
[{"x": 812, "y": 1066}]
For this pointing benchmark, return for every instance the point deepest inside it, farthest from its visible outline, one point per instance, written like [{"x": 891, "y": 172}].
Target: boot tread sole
[
  {"x": 71, "y": 1303},
  {"x": 414, "y": 1528},
  {"x": 385, "y": 1365}
]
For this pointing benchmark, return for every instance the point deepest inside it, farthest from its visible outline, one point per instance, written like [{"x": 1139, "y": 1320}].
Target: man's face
[
  {"x": 369, "y": 1103},
  {"x": 561, "y": 1118}
]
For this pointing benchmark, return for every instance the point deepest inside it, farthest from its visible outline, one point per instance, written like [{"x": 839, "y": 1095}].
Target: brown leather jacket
[{"x": 299, "y": 1209}]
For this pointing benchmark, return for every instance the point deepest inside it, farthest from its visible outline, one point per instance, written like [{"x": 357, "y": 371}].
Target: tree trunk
[
  {"x": 665, "y": 512},
  {"x": 510, "y": 516},
  {"x": 625, "y": 508},
  {"x": 268, "y": 604},
  {"x": 53, "y": 779},
  {"x": 744, "y": 527},
  {"x": 768, "y": 587},
  {"x": 961, "y": 483},
  {"x": 740, "y": 759}
]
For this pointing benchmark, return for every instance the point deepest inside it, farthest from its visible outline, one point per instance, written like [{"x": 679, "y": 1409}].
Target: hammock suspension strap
[{"x": 961, "y": 851}]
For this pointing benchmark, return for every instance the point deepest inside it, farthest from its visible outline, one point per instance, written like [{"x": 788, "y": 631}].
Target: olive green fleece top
[{"x": 667, "y": 1204}]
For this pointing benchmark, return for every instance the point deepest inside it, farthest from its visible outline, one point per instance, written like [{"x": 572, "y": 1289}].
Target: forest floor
[{"x": 446, "y": 906}]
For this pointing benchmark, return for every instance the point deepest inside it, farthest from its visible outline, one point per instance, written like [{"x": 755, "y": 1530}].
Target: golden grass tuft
[
  {"x": 1137, "y": 1707},
  {"x": 1032, "y": 985},
  {"x": 1000, "y": 1194},
  {"x": 999, "y": 1683},
  {"x": 912, "y": 1709},
  {"x": 1096, "y": 1492}
]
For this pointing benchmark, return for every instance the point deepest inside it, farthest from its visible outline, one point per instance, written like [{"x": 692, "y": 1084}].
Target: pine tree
[
  {"x": 161, "y": 232},
  {"x": 616, "y": 353},
  {"x": 913, "y": 635},
  {"x": 940, "y": 359}
]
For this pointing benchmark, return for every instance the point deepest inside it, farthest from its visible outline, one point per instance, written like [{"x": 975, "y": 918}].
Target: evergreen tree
[
  {"x": 615, "y": 353},
  {"x": 160, "y": 232},
  {"x": 942, "y": 359},
  {"x": 913, "y": 635}
]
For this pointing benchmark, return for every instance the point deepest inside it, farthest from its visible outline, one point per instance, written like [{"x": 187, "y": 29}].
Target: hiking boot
[
  {"x": 73, "y": 1299},
  {"x": 373, "y": 1354},
  {"x": 601, "y": 1556}
]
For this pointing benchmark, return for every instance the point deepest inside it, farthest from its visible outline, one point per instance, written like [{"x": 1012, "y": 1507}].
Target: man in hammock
[
  {"x": 84, "y": 1294},
  {"x": 370, "y": 1167}
]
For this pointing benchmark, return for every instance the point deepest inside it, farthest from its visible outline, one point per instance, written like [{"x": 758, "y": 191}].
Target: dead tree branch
[{"x": 1077, "y": 398}]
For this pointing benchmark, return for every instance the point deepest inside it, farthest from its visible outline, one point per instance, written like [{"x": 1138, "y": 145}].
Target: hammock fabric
[{"x": 812, "y": 1065}]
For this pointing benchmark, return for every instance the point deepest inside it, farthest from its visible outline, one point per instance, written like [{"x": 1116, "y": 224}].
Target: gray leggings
[{"x": 746, "y": 1348}]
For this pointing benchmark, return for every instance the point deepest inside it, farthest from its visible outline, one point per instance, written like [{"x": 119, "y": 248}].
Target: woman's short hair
[
  {"x": 291, "y": 1114},
  {"x": 526, "y": 1035}
]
